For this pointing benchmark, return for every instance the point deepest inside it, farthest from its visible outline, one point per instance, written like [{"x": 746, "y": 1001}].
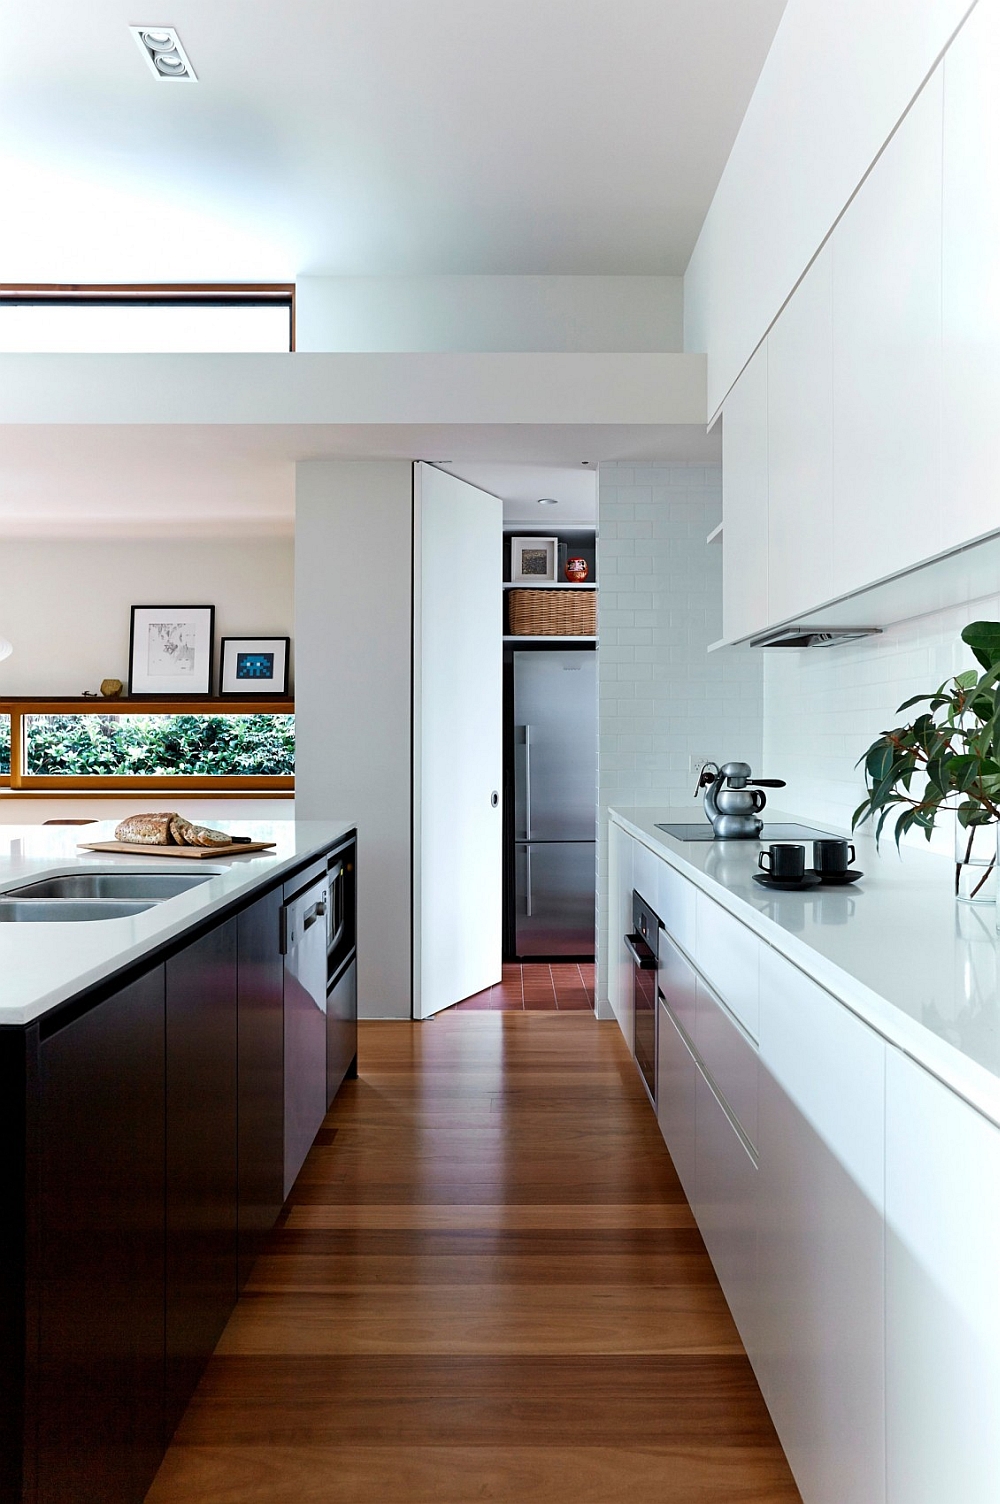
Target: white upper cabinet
[
  {"x": 971, "y": 286},
  {"x": 887, "y": 358},
  {"x": 744, "y": 502},
  {"x": 800, "y": 447}
]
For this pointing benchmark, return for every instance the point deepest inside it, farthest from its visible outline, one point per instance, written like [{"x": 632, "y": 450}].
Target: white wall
[
  {"x": 353, "y": 597},
  {"x": 836, "y": 82},
  {"x": 662, "y": 699},
  {"x": 489, "y": 313},
  {"x": 65, "y": 605},
  {"x": 823, "y": 707}
]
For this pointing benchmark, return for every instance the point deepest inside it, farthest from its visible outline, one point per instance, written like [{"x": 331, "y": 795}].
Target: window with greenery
[
  {"x": 4, "y": 746},
  {"x": 150, "y": 745}
]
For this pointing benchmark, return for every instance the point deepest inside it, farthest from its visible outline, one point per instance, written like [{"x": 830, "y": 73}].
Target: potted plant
[{"x": 947, "y": 758}]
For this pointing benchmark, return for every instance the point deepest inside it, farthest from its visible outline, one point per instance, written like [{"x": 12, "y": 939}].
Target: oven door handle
[{"x": 644, "y": 958}]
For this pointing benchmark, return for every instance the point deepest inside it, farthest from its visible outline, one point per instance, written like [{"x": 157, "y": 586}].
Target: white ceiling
[
  {"x": 369, "y": 136},
  {"x": 224, "y": 479},
  {"x": 573, "y": 489}
]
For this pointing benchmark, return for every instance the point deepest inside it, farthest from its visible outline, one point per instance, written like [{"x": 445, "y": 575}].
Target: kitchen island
[
  {"x": 828, "y": 1084},
  {"x": 143, "y": 1089}
]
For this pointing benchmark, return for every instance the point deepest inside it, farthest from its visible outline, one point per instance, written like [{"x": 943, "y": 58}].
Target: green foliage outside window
[
  {"x": 123, "y": 745},
  {"x": 4, "y": 744}
]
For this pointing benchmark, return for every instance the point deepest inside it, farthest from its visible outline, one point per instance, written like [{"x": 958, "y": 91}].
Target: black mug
[
  {"x": 832, "y": 857},
  {"x": 785, "y": 863}
]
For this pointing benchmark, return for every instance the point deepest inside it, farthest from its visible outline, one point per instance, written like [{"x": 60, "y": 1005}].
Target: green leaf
[{"x": 983, "y": 637}]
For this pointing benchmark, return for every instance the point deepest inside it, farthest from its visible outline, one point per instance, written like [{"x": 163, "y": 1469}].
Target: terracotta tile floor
[{"x": 538, "y": 987}]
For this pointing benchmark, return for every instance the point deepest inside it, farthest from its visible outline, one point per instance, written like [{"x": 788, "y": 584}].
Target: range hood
[{"x": 811, "y": 636}]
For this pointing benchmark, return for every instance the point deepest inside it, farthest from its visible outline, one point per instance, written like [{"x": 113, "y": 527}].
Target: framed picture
[
  {"x": 533, "y": 561},
  {"x": 170, "y": 650},
  {"x": 254, "y": 666}
]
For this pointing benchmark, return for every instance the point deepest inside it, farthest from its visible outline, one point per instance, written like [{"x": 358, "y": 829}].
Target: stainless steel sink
[
  {"x": 153, "y": 886},
  {"x": 68, "y": 910}
]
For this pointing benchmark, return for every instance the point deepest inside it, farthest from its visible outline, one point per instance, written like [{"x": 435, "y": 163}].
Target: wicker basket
[{"x": 553, "y": 613}]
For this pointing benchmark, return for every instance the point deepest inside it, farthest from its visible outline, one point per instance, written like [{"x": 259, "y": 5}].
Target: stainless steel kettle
[{"x": 734, "y": 799}]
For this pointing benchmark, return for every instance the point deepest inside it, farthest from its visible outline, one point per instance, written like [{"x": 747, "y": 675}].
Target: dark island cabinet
[
  {"x": 100, "y": 1240},
  {"x": 260, "y": 1078},
  {"x": 201, "y": 1149},
  {"x": 141, "y": 1168}
]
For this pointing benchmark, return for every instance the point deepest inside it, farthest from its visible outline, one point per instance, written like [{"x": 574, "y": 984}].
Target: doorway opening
[{"x": 550, "y": 735}]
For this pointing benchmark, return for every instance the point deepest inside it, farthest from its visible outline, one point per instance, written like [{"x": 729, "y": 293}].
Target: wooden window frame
[{"x": 198, "y": 785}]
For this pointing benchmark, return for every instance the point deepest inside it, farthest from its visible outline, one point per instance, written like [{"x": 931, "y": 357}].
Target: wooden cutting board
[{"x": 196, "y": 853}]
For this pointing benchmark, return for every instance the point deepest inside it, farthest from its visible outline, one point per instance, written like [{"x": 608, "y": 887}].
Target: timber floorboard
[{"x": 486, "y": 1286}]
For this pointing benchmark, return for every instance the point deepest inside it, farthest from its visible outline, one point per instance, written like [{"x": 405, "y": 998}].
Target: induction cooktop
[{"x": 773, "y": 831}]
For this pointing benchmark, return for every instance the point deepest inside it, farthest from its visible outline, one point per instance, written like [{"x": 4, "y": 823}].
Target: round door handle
[{"x": 494, "y": 799}]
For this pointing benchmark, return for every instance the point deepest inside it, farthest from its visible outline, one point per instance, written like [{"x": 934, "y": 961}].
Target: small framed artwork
[
  {"x": 170, "y": 650},
  {"x": 533, "y": 561},
  {"x": 254, "y": 666}
]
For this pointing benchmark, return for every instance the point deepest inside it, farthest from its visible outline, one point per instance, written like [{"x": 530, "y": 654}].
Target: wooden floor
[{"x": 488, "y": 1287}]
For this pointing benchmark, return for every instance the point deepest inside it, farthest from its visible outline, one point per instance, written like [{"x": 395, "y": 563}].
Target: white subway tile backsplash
[
  {"x": 663, "y": 698},
  {"x": 822, "y": 708}
]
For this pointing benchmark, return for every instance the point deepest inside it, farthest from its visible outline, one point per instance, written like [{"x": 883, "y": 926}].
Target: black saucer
[
  {"x": 787, "y": 884},
  {"x": 837, "y": 879}
]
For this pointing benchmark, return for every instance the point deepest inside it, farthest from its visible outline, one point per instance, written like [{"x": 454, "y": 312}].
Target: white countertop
[
  {"x": 895, "y": 947},
  {"x": 42, "y": 965}
]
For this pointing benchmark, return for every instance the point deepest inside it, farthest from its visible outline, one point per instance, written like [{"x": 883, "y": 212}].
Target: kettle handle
[{"x": 759, "y": 800}]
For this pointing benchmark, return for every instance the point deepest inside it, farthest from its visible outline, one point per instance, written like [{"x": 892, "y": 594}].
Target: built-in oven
[
  {"x": 643, "y": 944},
  {"x": 340, "y": 906},
  {"x": 341, "y": 967}
]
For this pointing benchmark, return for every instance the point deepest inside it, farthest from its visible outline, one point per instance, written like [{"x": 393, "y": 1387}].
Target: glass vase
[{"x": 976, "y": 863}]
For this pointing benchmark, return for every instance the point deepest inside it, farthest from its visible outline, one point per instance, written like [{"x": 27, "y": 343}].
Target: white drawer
[
  {"x": 730, "y": 1059},
  {"x": 678, "y": 982},
  {"x": 645, "y": 874},
  {"x": 729, "y": 956},
  {"x": 675, "y": 904},
  {"x": 725, "y": 1205},
  {"x": 676, "y": 1078}
]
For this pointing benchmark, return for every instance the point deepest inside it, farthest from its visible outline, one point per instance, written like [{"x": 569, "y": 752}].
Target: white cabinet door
[
  {"x": 800, "y": 447},
  {"x": 727, "y": 956},
  {"x": 675, "y": 904},
  {"x": 676, "y": 1095},
  {"x": 458, "y": 740},
  {"x": 725, "y": 1205},
  {"x": 729, "y": 1058},
  {"x": 887, "y": 357},
  {"x": 744, "y": 502},
  {"x": 646, "y": 874},
  {"x": 942, "y": 1303},
  {"x": 820, "y": 1348},
  {"x": 971, "y": 287},
  {"x": 620, "y": 848}
]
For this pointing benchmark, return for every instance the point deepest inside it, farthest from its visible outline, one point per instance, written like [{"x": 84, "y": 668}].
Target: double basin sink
[{"x": 80, "y": 896}]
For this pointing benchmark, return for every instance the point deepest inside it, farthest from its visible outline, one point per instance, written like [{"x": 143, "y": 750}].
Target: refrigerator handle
[
  {"x": 522, "y": 775},
  {"x": 527, "y": 885}
]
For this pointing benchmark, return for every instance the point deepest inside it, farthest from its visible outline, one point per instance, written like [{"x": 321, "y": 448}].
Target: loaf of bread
[
  {"x": 187, "y": 834},
  {"x": 146, "y": 830},
  {"x": 167, "y": 830}
]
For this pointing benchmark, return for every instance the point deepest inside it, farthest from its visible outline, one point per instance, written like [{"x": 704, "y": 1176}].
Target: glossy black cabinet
[
  {"x": 100, "y": 1239},
  {"x": 342, "y": 1030},
  {"x": 141, "y": 1166},
  {"x": 201, "y": 1174},
  {"x": 260, "y": 1078}
]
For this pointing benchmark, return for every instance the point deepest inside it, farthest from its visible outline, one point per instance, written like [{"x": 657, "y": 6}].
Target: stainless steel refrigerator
[{"x": 554, "y": 825}]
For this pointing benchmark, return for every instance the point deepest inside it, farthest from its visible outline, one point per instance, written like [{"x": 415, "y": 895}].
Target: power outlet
[{"x": 697, "y": 761}]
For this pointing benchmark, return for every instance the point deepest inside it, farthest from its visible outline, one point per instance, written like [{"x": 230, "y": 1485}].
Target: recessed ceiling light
[
  {"x": 547, "y": 501},
  {"x": 161, "y": 47}
]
